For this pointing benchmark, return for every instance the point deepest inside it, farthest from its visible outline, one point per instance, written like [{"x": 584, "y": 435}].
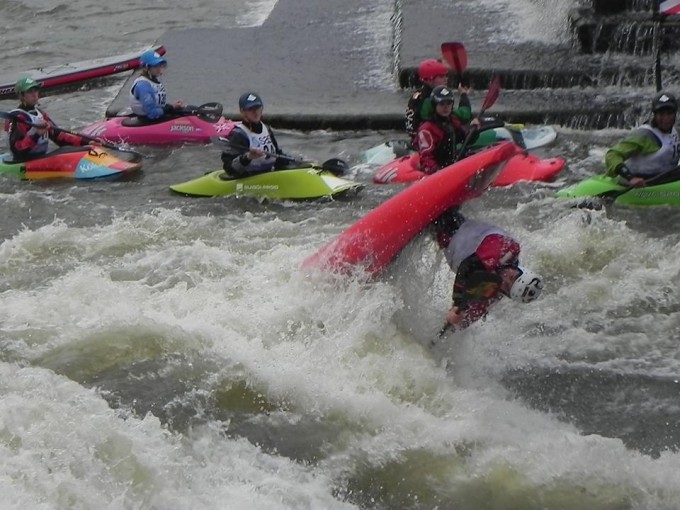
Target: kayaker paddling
[
  {"x": 251, "y": 146},
  {"x": 30, "y": 128},
  {"x": 651, "y": 149},
  {"x": 148, "y": 97}
]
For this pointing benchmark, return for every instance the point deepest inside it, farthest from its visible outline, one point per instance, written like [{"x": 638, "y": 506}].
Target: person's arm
[
  {"x": 22, "y": 137},
  {"x": 60, "y": 137},
  {"x": 146, "y": 95},
  {"x": 281, "y": 163},
  {"x": 464, "y": 110},
  {"x": 472, "y": 297},
  {"x": 428, "y": 141},
  {"x": 237, "y": 157},
  {"x": 641, "y": 142}
]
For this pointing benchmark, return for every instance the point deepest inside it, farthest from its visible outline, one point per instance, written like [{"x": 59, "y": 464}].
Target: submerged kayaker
[
  {"x": 252, "y": 147},
  {"x": 651, "y": 149},
  {"x": 439, "y": 135},
  {"x": 432, "y": 73},
  {"x": 31, "y": 129},
  {"x": 485, "y": 259},
  {"x": 148, "y": 97}
]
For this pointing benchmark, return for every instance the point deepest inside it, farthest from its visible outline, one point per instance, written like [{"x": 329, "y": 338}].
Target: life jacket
[
  {"x": 159, "y": 93},
  {"x": 467, "y": 239},
  {"x": 36, "y": 117},
  {"x": 263, "y": 141},
  {"x": 664, "y": 159}
]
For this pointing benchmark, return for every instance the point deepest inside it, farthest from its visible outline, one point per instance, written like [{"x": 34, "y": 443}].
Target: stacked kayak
[
  {"x": 176, "y": 130},
  {"x": 521, "y": 167},
  {"x": 609, "y": 189},
  {"x": 82, "y": 163},
  {"x": 528, "y": 138},
  {"x": 296, "y": 184}
]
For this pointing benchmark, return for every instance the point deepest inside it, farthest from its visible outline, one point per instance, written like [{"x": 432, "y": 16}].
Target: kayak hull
[
  {"x": 667, "y": 194},
  {"x": 375, "y": 240},
  {"x": 177, "y": 130},
  {"x": 68, "y": 74},
  {"x": 80, "y": 163},
  {"x": 295, "y": 184},
  {"x": 526, "y": 137},
  {"x": 521, "y": 167}
]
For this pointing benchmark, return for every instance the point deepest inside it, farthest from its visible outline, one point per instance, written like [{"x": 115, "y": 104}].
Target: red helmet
[{"x": 429, "y": 69}]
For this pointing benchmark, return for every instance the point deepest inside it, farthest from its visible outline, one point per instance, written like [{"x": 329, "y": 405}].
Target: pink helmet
[{"x": 431, "y": 68}]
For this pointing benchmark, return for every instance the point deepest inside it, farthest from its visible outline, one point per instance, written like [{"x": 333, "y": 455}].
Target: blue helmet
[{"x": 150, "y": 58}]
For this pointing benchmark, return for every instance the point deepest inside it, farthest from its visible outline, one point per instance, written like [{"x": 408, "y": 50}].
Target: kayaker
[
  {"x": 439, "y": 135},
  {"x": 485, "y": 259},
  {"x": 432, "y": 73},
  {"x": 26, "y": 141},
  {"x": 252, "y": 147},
  {"x": 148, "y": 97},
  {"x": 651, "y": 149}
]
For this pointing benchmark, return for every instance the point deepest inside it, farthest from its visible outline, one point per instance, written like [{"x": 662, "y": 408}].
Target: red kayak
[
  {"x": 377, "y": 238},
  {"x": 68, "y": 74},
  {"x": 521, "y": 167}
]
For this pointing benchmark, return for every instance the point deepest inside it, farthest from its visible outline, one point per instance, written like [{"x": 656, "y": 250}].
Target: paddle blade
[
  {"x": 209, "y": 112},
  {"x": 492, "y": 94},
  {"x": 455, "y": 55}
]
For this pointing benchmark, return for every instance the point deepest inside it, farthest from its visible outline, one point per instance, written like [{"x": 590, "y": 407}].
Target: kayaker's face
[
  {"x": 31, "y": 97},
  {"x": 157, "y": 71},
  {"x": 252, "y": 115},
  {"x": 665, "y": 119},
  {"x": 442, "y": 79},
  {"x": 444, "y": 109}
]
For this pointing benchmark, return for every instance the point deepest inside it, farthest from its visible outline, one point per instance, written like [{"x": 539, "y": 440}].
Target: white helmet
[{"x": 527, "y": 286}]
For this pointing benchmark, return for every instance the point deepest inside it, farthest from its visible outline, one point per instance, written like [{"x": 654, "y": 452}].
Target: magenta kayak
[{"x": 177, "y": 130}]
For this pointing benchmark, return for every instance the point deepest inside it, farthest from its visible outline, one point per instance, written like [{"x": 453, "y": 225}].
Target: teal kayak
[
  {"x": 526, "y": 137},
  {"x": 608, "y": 188},
  {"x": 295, "y": 184}
]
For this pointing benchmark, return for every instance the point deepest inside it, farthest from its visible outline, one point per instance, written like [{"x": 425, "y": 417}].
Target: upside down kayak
[
  {"x": 311, "y": 182},
  {"x": 176, "y": 130},
  {"x": 82, "y": 163}
]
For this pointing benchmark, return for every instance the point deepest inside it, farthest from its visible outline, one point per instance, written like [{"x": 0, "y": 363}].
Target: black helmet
[
  {"x": 664, "y": 101},
  {"x": 249, "y": 100},
  {"x": 442, "y": 94}
]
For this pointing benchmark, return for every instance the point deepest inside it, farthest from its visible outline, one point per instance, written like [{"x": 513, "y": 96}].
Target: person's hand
[
  {"x": 636, "y": 182},
  {"x": 463, "y": 89},
  {"x": 178, "y": 105},
  {"x": 255, "y": 153},
  {"x": 475, "y": 123},
  {"x": 42, "y": 128},
  {"x": 455, "y": 316}
]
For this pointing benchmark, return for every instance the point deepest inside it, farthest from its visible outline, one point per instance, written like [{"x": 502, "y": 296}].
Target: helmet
[
  {"x": 442, "y": 94},
  {"x": 429, "y": 69},
  {"x": 150, "y": 58},
  {"x": 663, "y": 101},
  {"x": 527, "y": 287},
  {"x": 26, "y": 84},
  {"x": 249, "y": 100}
]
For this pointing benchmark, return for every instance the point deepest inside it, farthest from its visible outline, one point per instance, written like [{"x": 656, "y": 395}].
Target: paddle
[
  {"x": 491, "y": 96},
  {"x": 480, "y": 285},
  {"x": 209, "y": 112},
  {"x": 15, "y": 117},
  {"x": 455, "y": 55},
  {"x": 608, "y": 197},
  {"x": 336, "y": 166}
]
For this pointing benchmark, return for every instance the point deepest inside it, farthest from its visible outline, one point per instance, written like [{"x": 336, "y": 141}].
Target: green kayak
[
  {"x": 608, "y": 189},
  {"x": 295, "y": 184}
]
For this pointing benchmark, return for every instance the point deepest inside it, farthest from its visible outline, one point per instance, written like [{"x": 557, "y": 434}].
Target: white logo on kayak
[
  {"x": 256, "y": 187},
  {"x": 387, "y": 175},
  {"x": 95, "y": 130},
  {"x": 183, "y": 129},
  {"x": 87, "y": 167}
]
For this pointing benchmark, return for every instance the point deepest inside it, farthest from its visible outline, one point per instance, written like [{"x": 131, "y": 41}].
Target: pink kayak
[
  {"x": 197, "y": 126},
  {"x": 521, "y": 167}
]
